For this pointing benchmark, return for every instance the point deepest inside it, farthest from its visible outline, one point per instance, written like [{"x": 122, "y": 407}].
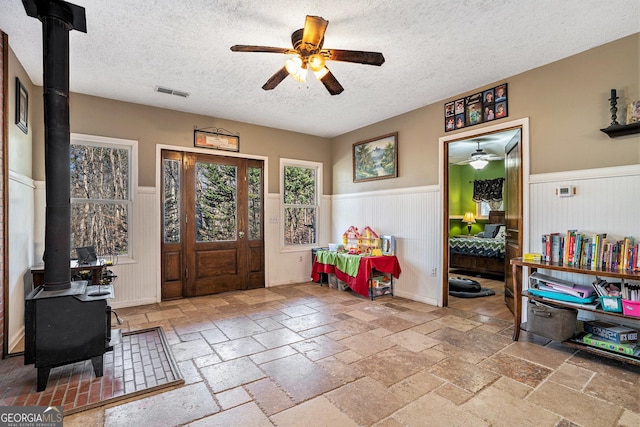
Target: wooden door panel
[
  {"x": 172, "y": 263},
  {"x": 256, "y": 259},
  {"x": 171, "y": 274},
  {"x": 212, "y": 263}
]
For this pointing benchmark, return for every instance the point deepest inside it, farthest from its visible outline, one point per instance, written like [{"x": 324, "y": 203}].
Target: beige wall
[
  {"x": 150, "y": 126},
  {"x": 566, "y": 102},
  {"x": 19, "y": 142}
]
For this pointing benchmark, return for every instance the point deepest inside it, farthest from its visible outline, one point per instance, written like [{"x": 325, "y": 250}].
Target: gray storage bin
[{"x": 547, "y": 320}]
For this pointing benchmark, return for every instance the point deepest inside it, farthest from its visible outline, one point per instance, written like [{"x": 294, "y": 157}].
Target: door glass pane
[
  {"x": 171, "y": 214},
  {"x": 216, "y": 207},
  {"x": 255, "y": 202}
]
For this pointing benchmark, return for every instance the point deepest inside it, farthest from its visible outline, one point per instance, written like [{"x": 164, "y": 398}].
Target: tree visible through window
[
  {"x": 100, "y": 197},
  {"x": 300, "y": 205}
]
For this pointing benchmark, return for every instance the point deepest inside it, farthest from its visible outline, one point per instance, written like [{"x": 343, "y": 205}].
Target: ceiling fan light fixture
[
  {"x": 479, "y": 163},
  {"x": 316, "y": 62},
  {"x": 296, "y": 68}
]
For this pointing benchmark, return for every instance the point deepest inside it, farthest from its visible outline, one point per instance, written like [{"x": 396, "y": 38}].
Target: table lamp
[{"x": 469, "y": 218}]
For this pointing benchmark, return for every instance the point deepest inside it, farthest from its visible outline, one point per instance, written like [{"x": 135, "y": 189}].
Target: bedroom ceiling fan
[
  {"x": 480, "y": 158},
  {"x": 308, "y": 54}
]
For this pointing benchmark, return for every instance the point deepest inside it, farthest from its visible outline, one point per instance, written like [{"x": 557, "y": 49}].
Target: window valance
[{"x": 488, "y": 190}]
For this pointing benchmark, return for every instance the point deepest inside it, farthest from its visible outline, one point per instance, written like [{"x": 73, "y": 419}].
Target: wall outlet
[
  {"x": 434, "y": 272},
  {"x": 300, "y": 259}
]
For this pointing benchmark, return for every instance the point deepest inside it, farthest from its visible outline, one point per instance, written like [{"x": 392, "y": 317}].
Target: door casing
[
  {"x": 523, "y": 124},
  {"x": 268, "y": 239}
]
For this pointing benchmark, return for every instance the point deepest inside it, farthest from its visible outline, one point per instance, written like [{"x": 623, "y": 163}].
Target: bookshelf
[{"x": 517, "y": 265}]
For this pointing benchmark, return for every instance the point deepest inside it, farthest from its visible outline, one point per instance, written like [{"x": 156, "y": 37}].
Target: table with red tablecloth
[{"x": 360, "y": 282}]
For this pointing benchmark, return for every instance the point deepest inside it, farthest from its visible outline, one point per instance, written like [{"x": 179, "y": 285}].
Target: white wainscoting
[
  {"x": 137, "y": 279},
  {"x": 21, "y": 252},
  {"x": 285, "y": 266},
  {"x": 414, "y": 217}
]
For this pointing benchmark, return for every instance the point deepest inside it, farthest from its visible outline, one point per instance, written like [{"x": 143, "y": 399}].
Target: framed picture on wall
[
  {"x": 376, "y": 158},
  {"x": 481, "y": 107},
  {"x": 216, "y": 140},
  {"x": 22, "y": 106}
]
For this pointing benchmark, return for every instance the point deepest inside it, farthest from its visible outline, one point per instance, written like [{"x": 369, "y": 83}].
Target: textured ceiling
[{"x": 433, "y": 50}]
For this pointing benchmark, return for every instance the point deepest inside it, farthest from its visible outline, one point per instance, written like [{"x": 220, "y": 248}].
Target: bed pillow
[
  {"x": 502, "y": 231},
  {"x": 490, "y": 230}
]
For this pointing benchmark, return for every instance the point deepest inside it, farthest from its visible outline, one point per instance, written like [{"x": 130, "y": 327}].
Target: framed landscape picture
[{"x": 376, "y": 158}]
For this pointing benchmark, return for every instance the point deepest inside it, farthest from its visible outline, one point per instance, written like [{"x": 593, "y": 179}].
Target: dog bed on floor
[{"x": 467, "y": 288}]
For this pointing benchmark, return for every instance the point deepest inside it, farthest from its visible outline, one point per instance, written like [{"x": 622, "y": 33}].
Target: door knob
[{"x": 241, "y": 234}]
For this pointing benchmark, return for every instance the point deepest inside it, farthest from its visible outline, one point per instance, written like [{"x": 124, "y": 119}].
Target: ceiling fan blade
[
  {"x": 358, "y": 56},
  {"x": 266, "y": 49},
  {"x": 331, "y": 83},
  {"x": 275, "y": 80},
  {"x": 313, "y": 34}
]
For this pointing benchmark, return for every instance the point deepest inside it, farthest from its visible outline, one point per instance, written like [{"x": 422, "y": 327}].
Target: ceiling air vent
[{"x": 166, "y": 90}]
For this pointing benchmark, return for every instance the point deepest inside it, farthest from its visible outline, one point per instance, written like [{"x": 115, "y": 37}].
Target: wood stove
[{"x": 68, "y": 326}]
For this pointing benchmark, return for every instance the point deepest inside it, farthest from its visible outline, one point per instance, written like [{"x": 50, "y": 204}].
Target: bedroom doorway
[{"x": 483, "y": 260}]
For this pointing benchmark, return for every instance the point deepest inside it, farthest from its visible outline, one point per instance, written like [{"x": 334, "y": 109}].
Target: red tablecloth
[{"x": 360, "y": 283}]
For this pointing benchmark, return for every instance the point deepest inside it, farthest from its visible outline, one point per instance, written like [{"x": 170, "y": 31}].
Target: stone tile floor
[{"x": 314, "y": 356}]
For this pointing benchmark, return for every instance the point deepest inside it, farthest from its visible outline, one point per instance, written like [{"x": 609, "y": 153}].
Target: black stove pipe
[{"x": 58, "y": 18}]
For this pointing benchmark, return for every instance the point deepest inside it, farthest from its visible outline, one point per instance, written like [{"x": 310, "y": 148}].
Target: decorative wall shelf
[{"x": 621, "y": 130}]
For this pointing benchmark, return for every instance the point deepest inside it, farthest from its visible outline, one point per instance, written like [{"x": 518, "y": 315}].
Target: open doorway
[{"x": 482, "y": 225}]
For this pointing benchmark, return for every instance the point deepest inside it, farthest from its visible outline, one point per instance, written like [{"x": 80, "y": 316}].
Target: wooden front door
[
  {"x": 212, "y": 224},
  {"x": 513, "y": 213}
]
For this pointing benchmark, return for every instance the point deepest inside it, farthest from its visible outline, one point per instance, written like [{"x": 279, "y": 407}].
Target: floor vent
[{"x": 172, "y": 91}]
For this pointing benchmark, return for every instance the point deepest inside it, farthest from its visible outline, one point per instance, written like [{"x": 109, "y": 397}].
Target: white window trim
[
  {"x": 103, "y": 141},
  {"x": 305, "y": 164}
]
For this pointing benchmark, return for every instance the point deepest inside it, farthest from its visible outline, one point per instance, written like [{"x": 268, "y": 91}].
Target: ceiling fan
[
  {"x": 480, "y": 158},
  {"x": 308, "y": 53}
]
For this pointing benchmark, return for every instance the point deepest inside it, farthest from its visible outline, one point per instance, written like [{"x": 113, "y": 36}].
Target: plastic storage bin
[
  {"x": 631, "y": 308},
  {"x": 611, "y": 304}
]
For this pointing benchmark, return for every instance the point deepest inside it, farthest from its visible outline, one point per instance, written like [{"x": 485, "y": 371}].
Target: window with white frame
[
  {"x": 483, "y": 208},
  {"x": 102, "y": 182},
  {"x": 301, "y": 190}
]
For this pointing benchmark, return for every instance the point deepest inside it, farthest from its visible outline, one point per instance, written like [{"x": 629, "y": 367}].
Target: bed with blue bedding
[{"x": 480, "y": 255}]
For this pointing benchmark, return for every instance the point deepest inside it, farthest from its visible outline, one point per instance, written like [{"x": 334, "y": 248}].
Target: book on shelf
[
  {"x": 630, "y": 349},
  {"x": 593, "y": 250},
  {"x": 546, "y": 247},
  {"x": 556, "y": 247},
  {"x": 606, "y": 289}
]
